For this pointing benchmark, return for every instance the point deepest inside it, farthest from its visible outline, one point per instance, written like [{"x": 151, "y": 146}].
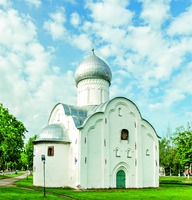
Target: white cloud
[
  {"x": 81, "y": 41},
  {"x": 177, "y": 89},
  {"x": 55, "y": 25},
  {"x": 110, "y": 12},
  {"x": 155, "y": 12},
  {"x": 75, "y": 19},
  {"x": 15, "y": 30},
  {"x": 181, "y": 25},
  {"x": 36, "y": 3},
  {"x": 5, "y": 3},
  {"x": 29, "y": 85}
]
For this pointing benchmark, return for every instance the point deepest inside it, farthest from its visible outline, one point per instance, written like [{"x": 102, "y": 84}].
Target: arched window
[
  {"x": 50, "y": 151},
  {"x": 124, "y": 134}
]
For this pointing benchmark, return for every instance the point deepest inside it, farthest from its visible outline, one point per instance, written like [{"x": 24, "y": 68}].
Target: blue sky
[{"x": 146, "y": 43}]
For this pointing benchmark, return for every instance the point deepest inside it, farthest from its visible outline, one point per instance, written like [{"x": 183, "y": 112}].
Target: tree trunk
[
  {"x": 164, "y": 171},
  {"x": 170, "y": 171}
]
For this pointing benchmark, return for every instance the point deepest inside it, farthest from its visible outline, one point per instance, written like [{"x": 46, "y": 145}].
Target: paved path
[{"x": 9, "y": 181}]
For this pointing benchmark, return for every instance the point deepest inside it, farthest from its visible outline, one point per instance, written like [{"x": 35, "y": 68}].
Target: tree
[
  {"x": 28, "y": 152},
  {"x": 12, "y": 134},
  {"x": 168, "y": 154},
  {"x": 183, "y": 141},
  {"x": 165, "y": 154}
]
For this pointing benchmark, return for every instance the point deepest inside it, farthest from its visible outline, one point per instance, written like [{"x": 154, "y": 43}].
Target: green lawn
[{"x": 170, "y": 188}]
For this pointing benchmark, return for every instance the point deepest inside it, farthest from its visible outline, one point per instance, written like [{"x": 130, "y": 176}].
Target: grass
[
  {"x": 171, "y": 188},
  {"x": 11, "y": 175}
]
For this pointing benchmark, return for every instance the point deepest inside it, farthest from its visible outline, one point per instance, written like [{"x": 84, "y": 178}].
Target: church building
[{"x": 98, "y": 143}]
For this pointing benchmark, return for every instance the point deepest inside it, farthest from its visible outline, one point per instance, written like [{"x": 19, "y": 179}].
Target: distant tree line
[{"x": 175, "y": 151}]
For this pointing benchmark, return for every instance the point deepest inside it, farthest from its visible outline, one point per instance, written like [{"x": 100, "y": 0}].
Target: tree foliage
[
  {"x": 183, "y": 141},
  {"x": 164, "y": 149},
  {"x": 176, "y": 151},
  {"x": 27, "y": 154},
  {"x": 167, "y": 155},
  {"x": 12, "y": 133}
]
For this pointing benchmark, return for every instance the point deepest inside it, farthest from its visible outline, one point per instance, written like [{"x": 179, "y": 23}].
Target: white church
[{"x": 98, "y": 143}]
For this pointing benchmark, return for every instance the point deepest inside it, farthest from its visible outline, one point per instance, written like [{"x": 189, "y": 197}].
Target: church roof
[
  {"x": 79, "y": 114},
  {"x": 93, "y": 67},
  {"x": 53, "y": 132}
]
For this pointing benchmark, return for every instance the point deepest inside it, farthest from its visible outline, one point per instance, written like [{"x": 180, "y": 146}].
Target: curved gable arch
[{"x": 57, "y": 114}]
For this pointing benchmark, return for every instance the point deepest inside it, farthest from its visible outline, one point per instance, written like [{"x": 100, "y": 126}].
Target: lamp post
[{"x": 43, "y": 159}]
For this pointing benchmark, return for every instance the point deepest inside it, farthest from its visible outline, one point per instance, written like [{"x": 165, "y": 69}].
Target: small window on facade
[
  {"x": 120, "y": 112},
  {"x": 85, "y": 140},
  {"x": 85, "y": 160},
  {"x": 105, "y": 161},
  {"x": 124, "y": 134},
  {"x": 50, "y": 151},
  {"x": 105, "y": 142},
  {"x": 135, "y": 124},
  {"x": 135, "y": 162},
  {"x": 129, "y": 153},
  {"x": 147, "y": 152}
]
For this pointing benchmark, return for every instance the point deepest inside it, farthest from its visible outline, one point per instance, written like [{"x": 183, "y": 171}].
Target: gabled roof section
[{"x": 79, "y": 114}]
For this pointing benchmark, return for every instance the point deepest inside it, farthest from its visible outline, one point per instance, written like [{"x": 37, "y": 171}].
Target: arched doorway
[{"x": 120, "y": 179}]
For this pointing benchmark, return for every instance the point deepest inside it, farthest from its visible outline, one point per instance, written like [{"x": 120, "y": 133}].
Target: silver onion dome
[
  {"x": 53, "y": 132},
  {"x": 93, "y": 67}
]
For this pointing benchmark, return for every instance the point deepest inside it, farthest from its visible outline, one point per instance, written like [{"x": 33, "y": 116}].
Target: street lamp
[{"x": 43, "y": 159}]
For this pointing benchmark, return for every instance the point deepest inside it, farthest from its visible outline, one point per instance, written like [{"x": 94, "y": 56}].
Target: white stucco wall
[
  {"x": 150, "y": 157},
  {"x": 56, "y": 167}
]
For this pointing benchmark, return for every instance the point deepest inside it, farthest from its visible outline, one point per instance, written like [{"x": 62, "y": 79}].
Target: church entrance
[{"x": 120, "y": 179}]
